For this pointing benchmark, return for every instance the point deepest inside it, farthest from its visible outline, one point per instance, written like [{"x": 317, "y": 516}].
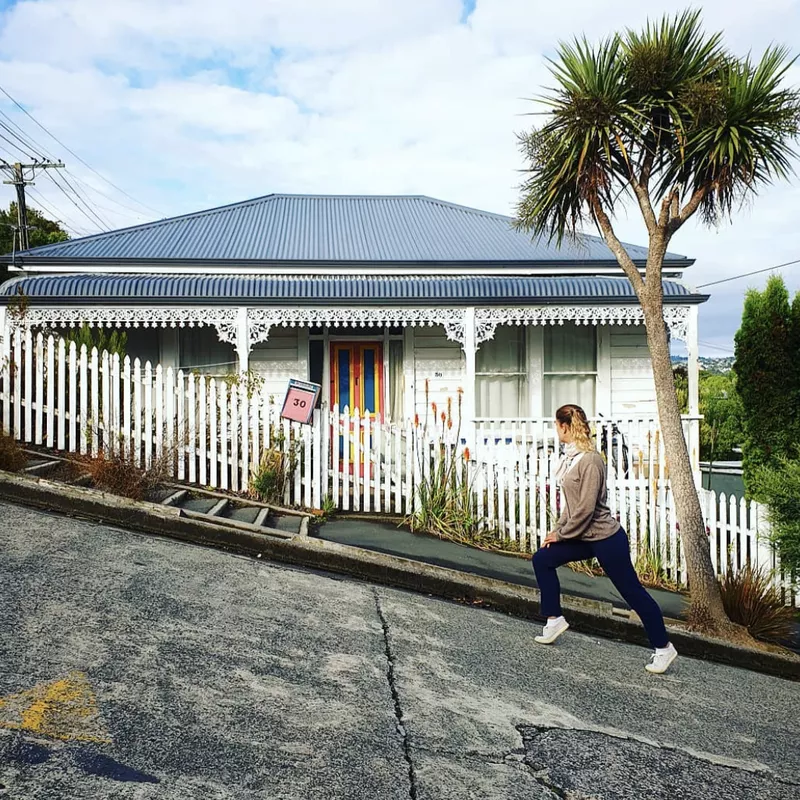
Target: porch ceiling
[{"x": 255, "y": 290}]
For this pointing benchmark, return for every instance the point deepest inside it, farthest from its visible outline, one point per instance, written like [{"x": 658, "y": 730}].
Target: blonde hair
[{"x": 575, "y": 417}]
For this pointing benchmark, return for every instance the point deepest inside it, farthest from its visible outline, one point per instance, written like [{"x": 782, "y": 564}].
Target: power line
[
  {"x": 717, "y": 347},
  {"x": 29, "y": 141},
  {"x": 19, "y": 182},
  {"x": 38, "y": 149},
  {"x": 748, "y": 274},
  {"x": 104, "y": 194},
  {"x": 86, "y": 202},
  {"x": 16, "y": 146},
  {"x": 73, "y": 153},
  {"x": 55, "y": 215},
  {"x": 72, "y": 200}
]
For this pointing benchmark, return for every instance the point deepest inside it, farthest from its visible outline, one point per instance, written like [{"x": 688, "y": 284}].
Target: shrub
[
  {"x": 651, "y": 569},
  {"x": 117, "y": 473},
  {"x": 444, "y": 500},
  {"x": 12, "y": 457},
  {"x": 114, "y": 342},
  {"x": 751, "y": 600},
  {"x": 269, "y": 480},
  {"x": 778, "y": 487}
]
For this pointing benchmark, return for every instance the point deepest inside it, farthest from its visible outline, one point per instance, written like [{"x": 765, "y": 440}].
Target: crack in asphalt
[
  {"x": 540, "y": 771},
  {"x": 620, "y": 736},
  {"x": 510, "y": 758},
  {"x": 398, "y": 709}
]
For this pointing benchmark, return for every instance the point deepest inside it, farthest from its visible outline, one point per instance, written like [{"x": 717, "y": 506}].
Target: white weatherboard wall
[
  {"x": 283, "y": 356},
  {"x": 633, "y": 392},
  {"x": 440, "y": 362}
]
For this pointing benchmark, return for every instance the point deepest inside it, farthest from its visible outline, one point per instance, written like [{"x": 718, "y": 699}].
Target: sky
[{"x": 189, "y": 104}]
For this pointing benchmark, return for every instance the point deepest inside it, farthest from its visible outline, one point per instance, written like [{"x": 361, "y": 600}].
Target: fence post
[
  {"x": 203, "y": 431},
  {"x": 62, "y": 391},
  {"x": 159, "y": 415},
  {"x": 169, "y": 391},
  {"x": 212, "y": 408},
  {"x": 181, "y": 426},
  {"x": 51, "y": 392},
  {"x": 336, "y": 420},
  {"x": 345, "y": 458},
  {"x": 375, "y": 477},
  {"x": 28, "y": 396},
  {"x": 74, "y": 381},
  {"x": 127, "y": 444},
  {"x": 5, "y": 377},
  {"x": 137, "y": 412},
  {"x": 105, "y": 399},
  {"x": 95, "y": 399},
  {"x": 316, "y": 460},
  {"x": 39, "y": 366},
  {"x": 83, "y": 419},
  {"x": 325, "y": 458},
  {"x": 148, "y": 415},
  {"x": 223, "y": 420},
  {"x": 115, "y": 403},
  {"x": 398, "y": 468},
  {"x": 191, "y": 413},
  {"x": 387, "y": 467}
]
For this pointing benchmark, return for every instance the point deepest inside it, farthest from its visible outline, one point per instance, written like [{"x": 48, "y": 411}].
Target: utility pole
[{"x": 20, "y": 180}]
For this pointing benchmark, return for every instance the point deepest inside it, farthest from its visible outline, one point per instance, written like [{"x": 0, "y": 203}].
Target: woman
[{"x": 587, "y": 529}]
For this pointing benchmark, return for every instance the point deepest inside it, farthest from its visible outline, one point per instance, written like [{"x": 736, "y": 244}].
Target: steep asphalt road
[{"x": 133, "y": 667}]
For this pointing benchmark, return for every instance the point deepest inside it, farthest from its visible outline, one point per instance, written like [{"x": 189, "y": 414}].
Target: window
[
  {"x": 570, "y": 367},
  {"x": 202, "y": 351},
  {"x": 501, "y": 376},
  {"x": 396, "y": 381}
]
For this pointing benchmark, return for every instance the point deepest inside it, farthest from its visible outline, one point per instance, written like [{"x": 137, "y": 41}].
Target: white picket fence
[{"x": 215, "y": 433}]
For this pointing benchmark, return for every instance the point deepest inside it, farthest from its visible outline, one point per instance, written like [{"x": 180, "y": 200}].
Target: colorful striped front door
[{"x": 357, "y": 377}]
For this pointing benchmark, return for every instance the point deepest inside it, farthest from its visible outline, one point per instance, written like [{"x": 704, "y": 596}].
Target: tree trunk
[{"x": 706, "y": 611}]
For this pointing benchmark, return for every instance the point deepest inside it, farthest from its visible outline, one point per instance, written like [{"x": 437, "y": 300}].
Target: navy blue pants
[{"x": 614, "y": 556}]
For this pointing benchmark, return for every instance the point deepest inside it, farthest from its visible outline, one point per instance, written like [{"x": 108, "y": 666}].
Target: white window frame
[
  {"x": 524, "y": 373},
  {"x": 595, "y": 373}
]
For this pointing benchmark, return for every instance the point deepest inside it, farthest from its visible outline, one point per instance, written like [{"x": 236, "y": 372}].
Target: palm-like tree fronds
[{"x": 666, "y": 114}]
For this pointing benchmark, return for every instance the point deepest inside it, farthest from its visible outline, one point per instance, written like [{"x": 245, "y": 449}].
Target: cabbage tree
[{"x": 668, "y": 121}]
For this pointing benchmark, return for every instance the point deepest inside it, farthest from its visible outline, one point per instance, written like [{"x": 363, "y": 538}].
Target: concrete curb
[{"x": 586, "y": 616}]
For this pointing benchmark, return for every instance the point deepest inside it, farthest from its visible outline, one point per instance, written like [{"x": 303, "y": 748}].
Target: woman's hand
[{"x": 549, "y": 539}]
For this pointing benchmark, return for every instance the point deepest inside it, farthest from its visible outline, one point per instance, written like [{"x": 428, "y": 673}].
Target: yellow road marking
[{"x": 62, "y": 709}]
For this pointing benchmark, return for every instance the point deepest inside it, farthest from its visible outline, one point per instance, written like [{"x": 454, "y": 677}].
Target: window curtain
[
  {"x": 202, "y": 351},
  {"x": 501, "y": 375},
  {"x": 396, "y": 381},
  {"x": 570, "y": 349}
]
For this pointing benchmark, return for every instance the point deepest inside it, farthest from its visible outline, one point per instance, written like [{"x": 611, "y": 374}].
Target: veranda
[{"x": 212, "y": 433}]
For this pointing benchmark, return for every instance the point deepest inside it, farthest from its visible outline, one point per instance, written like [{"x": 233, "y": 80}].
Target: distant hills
[{"x": 712, "y": 364}]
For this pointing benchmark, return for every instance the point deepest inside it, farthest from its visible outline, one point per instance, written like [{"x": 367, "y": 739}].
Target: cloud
[{"x": 191, "y": 103}]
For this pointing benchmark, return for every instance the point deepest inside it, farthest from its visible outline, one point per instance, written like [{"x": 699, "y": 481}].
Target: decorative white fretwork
[
  {"x": 677, "y": 321},
  {"x": 487, "y": 319},
  {"x": 223, "y": 319},
  {"x": 262, "y": 320}
]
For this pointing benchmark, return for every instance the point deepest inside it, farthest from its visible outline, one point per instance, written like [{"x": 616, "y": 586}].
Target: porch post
[
  {"x": 468, "y": 403},
  {"x": 243, "y": 340},
  {"x": 693, "y": 369}
]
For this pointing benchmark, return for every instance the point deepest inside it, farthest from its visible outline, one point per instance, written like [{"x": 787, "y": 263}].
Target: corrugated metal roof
[
  {"x": 342, "y": 228},
  {"x": 332, "y": 289}
]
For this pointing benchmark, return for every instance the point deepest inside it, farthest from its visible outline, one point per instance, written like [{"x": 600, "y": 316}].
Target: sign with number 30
[{"x": 301, "y": 399}]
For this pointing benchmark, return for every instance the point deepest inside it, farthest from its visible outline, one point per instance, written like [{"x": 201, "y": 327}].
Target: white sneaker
[
  {"x": 551, "y": 631},
  {"x": 661, "y": 659}
]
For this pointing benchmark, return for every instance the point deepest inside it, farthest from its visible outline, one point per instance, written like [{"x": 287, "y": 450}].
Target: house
[{"x": 389, "y": 302}]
